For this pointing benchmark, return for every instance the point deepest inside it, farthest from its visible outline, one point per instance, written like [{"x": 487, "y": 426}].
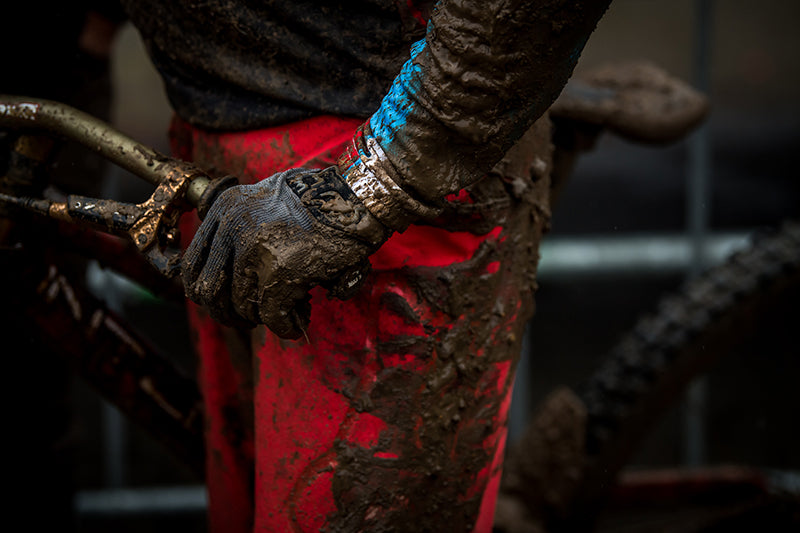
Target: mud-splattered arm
[{"x": 485, "y": 71}]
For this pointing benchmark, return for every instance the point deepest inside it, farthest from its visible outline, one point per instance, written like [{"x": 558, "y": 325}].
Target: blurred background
[{"x": 734, "y": 176}]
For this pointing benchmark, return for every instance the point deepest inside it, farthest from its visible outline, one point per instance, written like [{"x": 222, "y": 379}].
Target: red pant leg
[
  {"x": 392, "y": 414},
  {"x": 225, "y": 355}
]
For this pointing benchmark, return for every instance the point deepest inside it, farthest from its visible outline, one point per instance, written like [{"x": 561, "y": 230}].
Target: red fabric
[{"x": 279, "y": 426}]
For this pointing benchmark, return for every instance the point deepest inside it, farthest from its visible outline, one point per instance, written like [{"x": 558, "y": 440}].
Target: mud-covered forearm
[{"x": 484, "y": 73}]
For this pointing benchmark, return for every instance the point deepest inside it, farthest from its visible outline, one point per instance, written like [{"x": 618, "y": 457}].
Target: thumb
[{"x": 291, "y": 320}]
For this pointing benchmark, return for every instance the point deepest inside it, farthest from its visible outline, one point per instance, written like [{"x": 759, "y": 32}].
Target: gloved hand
[{"x": 262, "y": 247}]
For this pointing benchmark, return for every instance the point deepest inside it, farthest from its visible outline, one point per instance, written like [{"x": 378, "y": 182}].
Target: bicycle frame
[{"x": 97, "y": 344}]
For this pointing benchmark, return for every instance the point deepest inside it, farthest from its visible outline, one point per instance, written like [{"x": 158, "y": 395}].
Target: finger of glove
[
  {"x": 288, "y": 315},
  {"x": 212, "y": 285},
  {"x": 196, "y": 254},
  {"x": 207, "y": 264},
  {"x": 252, "y": 260}
]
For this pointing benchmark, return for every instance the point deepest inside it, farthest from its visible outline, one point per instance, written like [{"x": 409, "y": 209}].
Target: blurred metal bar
[
  {"x": 120, "y": 502},
  {"x": 640, "y": 254},
  {"x": 113, "y": 425},
  {"x": 520, "y": 410},
  {"x": 115, "y": 439},
  {"x": 698, "y": 184},
  {"x": 785, "y": 482},
  {"x": 193, "y": 498},
  {"x": 698, "y": 215}
]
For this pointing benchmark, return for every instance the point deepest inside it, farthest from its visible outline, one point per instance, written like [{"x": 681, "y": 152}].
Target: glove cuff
[
  {"x": 368, "y": 172},
  {"x": 329, "y": 200}
]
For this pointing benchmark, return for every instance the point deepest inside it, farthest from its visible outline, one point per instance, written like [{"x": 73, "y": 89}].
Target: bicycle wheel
[{"x": 560, "y": 474}]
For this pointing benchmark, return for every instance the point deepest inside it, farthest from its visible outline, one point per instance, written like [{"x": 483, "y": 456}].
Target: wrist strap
[{"x": 368, "y": 172}]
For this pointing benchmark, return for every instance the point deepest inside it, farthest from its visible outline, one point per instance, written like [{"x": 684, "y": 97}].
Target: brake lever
[{"x": 151, "y": 225}]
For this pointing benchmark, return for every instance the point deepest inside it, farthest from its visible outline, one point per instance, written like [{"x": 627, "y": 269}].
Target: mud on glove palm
[{"x": 262, "y": 247}]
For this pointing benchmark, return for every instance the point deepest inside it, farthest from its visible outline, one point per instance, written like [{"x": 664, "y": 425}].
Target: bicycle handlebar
[
  {"x": 151, "y": 225},
  {"x": 22, "y": 113}
]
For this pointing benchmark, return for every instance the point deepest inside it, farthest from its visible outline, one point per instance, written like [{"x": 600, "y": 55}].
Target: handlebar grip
[{"x": 202, "y": 192}]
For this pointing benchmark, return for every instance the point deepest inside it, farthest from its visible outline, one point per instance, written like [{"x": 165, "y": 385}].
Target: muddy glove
[{"x": 262, "y": 247}]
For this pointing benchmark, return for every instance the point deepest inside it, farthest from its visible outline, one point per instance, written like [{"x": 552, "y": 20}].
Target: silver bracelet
[{"x": 371, "y": 182}]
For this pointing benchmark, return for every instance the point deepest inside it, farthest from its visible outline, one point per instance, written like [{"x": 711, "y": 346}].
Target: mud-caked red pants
[{"x": 391, "y": 414}]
